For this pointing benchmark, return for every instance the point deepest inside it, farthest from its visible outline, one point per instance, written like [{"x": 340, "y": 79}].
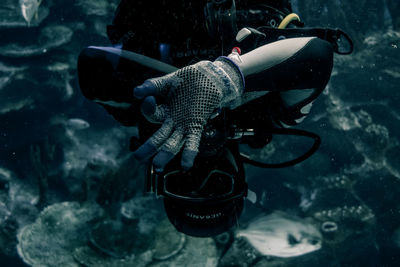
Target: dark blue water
[{"x": 353, "y": 180}]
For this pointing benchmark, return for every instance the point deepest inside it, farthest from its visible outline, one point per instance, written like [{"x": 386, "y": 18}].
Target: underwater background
[{"x": 65, "y": 163}]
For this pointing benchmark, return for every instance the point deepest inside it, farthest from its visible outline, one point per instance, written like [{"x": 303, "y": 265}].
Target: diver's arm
[
  {"x": 294, "y": 63},
  {"x": 192, "y": 93},
  {"x": 295, "y": 69}
]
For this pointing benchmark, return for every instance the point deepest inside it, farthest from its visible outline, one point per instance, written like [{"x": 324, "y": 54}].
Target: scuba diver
[{"x": 198, "y": 78}]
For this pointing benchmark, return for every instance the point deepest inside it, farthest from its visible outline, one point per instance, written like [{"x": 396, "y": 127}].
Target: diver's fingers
[
  {"x": 151, "y": 146},
  {"x": 147, "y": 88},
  {"x": 191, "y": 149},
  {"x": 168, "y": 151},
  {"x": 152, "y": 112},
  {"x": 156, "y": 87}
]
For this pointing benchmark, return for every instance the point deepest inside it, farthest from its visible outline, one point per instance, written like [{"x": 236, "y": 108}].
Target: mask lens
[
  {"x": 216, "y": 185},
  {"x": 177, "y": 183}
]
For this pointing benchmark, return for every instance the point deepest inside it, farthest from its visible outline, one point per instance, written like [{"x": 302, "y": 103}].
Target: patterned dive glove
[{"x": 191, "y": 96}]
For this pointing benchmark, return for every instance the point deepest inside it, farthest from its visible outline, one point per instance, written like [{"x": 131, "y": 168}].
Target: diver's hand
[{"x": 191, "y": 95}]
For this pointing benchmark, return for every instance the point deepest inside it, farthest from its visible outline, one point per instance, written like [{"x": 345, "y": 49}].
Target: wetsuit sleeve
[
  {"x": 294, "y": 63},
  {"x": 294, "y": 69}
]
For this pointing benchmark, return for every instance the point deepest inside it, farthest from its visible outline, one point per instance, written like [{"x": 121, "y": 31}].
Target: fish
[
  {"x": 77, "y": 124},
  {"x": 29, "y": 8},
  {"x": 282, "y": 235},
  {"x": 7, "y": 107},
  {"x": 71, "y": 123},
  {"x": 5, "y": 175}
]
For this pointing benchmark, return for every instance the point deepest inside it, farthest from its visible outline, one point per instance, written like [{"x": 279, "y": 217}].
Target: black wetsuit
[{"x": 176, "y": 32}]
